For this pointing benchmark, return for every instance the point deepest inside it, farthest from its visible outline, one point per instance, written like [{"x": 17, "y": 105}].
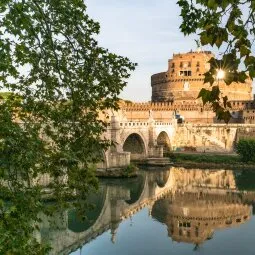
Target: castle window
[
  {"x": 198, "y": 64},
  {"x": 189, "y": 64},
  {"x": 197, "y": 69},
  {"x": 181, "y": 64},
  {"x": 172, "y": 65},
  {"x": 185, "y": 73}
]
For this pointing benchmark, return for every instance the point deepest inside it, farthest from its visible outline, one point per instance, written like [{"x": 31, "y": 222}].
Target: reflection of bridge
[
  {"x": 149, "y": 138},
  {"x": 191, "y": 203}
]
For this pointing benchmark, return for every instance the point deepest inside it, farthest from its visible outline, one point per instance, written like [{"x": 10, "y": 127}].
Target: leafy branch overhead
[
  {"x": 60, "y": 79},
  {"x": 229, "y": 25}
]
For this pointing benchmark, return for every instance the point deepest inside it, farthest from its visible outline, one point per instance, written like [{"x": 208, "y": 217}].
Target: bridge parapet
[{"x": 124, "y": 124}]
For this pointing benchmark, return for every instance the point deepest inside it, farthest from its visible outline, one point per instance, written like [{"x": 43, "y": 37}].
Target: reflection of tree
[{"x": 245, "y": 180}]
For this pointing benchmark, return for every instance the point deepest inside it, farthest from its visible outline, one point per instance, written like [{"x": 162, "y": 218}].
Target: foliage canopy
[
  {"x": 229, "y": 25},
  {"x": 246, "y": 149},
  {"x": 50, "y": 58}
]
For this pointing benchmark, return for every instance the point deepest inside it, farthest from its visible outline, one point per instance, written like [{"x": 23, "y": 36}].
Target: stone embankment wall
[{"x": 212, "y": 138}]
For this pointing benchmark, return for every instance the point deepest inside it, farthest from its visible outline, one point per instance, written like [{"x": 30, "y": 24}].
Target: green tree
[
  {"x": 50, "y": 57},
  {"x": 246, "y": 149},
  {"x": 229, "y": 25}
]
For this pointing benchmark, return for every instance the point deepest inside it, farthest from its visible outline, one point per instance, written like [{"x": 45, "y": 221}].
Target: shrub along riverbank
[
  {"x": 127, "y": 172},
  {"x": 209, "y": 160}
]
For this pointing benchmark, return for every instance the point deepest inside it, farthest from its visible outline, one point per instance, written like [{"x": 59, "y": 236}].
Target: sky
[{"x": 146, "y": 31}]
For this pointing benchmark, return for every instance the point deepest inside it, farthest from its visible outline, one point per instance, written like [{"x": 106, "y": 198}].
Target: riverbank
[
  {"x": 203, "y": 160},
  {"x": 127, "y": 172}
]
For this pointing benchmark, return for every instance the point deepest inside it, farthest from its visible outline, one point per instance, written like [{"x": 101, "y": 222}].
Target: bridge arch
[
  {"x": 164, "y": 140},
  {"x": 136, "y": 188},
  {"x": 162, "y": 178},
  {"x": 78, "y": 225},
  {"x": 135, "y": 144}
]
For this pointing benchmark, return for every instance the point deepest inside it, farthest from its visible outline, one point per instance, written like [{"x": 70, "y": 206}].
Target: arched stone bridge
[
  {"x": 148, "y": 138},
  {"x": 137, "y": 140}
]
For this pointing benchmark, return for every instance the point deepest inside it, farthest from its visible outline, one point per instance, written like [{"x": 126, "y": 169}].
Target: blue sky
[{"x": 146, "y": 31}]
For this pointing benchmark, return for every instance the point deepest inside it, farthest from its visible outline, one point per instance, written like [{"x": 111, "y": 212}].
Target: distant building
[{"x": 185, "y": 78}]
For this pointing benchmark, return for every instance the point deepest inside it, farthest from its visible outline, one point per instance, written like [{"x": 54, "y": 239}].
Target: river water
[{"x": 172, "y": 211}]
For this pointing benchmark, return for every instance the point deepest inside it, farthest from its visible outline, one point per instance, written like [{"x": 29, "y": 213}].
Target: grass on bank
[{"x": 205, "y": 158}]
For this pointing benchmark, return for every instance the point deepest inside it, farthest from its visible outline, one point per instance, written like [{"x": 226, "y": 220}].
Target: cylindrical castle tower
[{"x": 184, "y": 79}]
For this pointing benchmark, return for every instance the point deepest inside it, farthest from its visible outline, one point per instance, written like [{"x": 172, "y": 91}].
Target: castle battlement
[{"x": 183, "y": 105}]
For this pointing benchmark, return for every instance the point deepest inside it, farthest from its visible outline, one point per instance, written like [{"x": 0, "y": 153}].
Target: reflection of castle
[
  {"x": 202, "y": 202},
  {"x": 193, "y": 217},
  {"x": 192, "y": 203}
]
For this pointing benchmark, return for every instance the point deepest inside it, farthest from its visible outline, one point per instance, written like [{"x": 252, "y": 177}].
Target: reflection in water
[
  {"x": 191, "y": 203},
  {"x": 193, "y": 217}
]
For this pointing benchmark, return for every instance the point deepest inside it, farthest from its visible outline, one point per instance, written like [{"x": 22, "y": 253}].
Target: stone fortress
[
  {"x": 184, "y": 79},
  {"x": 175, "y": 119},
  {"x": 177, "y": 89}
]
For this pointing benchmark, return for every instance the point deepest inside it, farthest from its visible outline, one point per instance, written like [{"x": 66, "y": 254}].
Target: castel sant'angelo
[
  {"x": 184, "y": 79},
  {"x": 177, "y": 89}
]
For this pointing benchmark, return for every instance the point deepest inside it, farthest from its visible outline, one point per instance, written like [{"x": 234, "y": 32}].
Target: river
[{"x": 171, "y": 211}]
